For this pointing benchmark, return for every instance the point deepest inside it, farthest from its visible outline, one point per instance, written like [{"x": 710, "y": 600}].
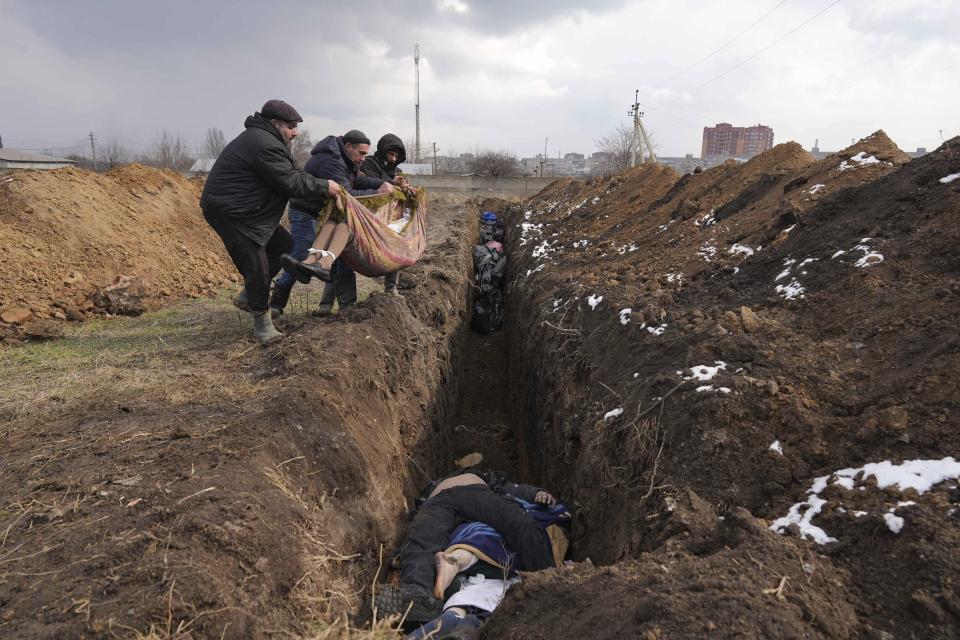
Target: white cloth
[{"x": 480, "y": 592}]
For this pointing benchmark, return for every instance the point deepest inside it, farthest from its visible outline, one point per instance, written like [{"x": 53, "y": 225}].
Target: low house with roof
[{"x": 15, "y": 159}]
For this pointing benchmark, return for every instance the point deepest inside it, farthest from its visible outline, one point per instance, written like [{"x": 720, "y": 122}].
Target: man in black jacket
[
  {"x": 244, "y": 198},
  {"x": 338, "y": 159},
  {"x": 383, "y": 164},
  {"x": 466, "y": 496}
]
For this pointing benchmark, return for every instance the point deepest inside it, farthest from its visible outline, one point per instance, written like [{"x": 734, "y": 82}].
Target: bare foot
[{"x": 447, "y": 569}]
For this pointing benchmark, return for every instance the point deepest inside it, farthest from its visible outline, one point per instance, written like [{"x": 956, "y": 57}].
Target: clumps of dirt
[
  {"x": 742, "y": 336},
  {"x": 69, "y": 233},
  {"x": 713, "y": 577}
]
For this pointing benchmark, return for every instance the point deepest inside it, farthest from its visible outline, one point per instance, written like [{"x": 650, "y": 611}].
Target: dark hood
[{"x": 387, "y": 142}]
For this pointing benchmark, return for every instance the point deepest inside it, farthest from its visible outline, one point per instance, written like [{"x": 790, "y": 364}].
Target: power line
[
  {"x": 722, "y": 47},
  {"x": 751, "y": 56}
]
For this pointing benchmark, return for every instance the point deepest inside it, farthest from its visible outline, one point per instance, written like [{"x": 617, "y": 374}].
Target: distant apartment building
[{"x": 727, "y": 141}]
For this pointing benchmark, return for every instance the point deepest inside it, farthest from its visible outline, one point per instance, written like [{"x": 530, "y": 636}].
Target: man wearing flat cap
[
  {"x": 336, "y": 158},
  {"x": 244, "y": 198}
]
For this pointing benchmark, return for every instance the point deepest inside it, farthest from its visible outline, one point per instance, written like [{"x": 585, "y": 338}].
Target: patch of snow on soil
[
  {"x": 801, "y": 514},
  {"x": 594, "y": 300},
  {"x": 894, "y": 523},
  {"x": 625, "y": 316},
  {"x": 580, "y": 244},
  {"x": 675, "y": 277},
  {"x": 919, "y": 475},
  {"x": 950, "y": 178},
  {"x": 613, "y": 413},
  {"x": 657, "y": 331},
  {"x": 859, "y": 160},
  {"x": 706, "y": 220},
  {"x": 527, "y": 231},
  {"x": 703, "y": 372},
  {"x": 707, "y": 251},
  {"x": 776, "y": 446},
  {"x": 791, "y": 290},
  {"x": 740, "y": 248},
  {"x": 816, "y": 188},
  {"x": 542, "y": 250},
  {"x": 627, "y": 248},
  {"x": 709, "y": 388}
]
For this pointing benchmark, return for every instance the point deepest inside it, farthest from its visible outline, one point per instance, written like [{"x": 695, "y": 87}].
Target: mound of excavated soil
[
  {"x": 68, "y": 232},
  {"x": 756, "y": 327}
]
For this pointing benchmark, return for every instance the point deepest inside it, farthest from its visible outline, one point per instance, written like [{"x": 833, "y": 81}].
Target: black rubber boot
[
  {"x": 423, "y": 607},
  {"x": 278, "y": 300}
]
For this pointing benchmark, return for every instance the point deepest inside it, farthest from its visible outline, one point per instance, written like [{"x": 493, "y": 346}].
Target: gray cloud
[{"x": 500, "y": 74}]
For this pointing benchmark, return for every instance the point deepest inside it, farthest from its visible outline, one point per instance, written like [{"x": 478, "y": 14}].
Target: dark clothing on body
[
  {"x": 252, "y": 180},
  {"x": 439, "y": 516},
  {"x": 328, "y": 159},
  {"x": 343, "y": 287},
  {"x": 258, "y": 264}
]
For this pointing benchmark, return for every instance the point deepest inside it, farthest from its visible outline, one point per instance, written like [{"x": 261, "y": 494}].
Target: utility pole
[
  {"x": 416, "y": 66},
  {"x": 639, "y": 133},
  {"x": 93, "y": 150},
  {"x": 1, "y": 138},
  {"x": 434, "y": 158}
]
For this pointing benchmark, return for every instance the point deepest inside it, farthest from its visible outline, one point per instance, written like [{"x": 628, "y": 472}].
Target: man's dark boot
[
  {"x": 278, "y": 300},
  {"x": 423, "y": 607}
]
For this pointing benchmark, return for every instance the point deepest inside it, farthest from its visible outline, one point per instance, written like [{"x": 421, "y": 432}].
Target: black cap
[
  {"x": 279, "y": 110},
  {"x": 356, "y": 137}
]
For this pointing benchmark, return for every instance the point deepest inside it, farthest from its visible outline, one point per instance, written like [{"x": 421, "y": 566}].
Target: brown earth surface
[
  {"x": 166, "y": 477},
  {"x": 69, "y": 232},
  {"x": 859, "y": 366}
]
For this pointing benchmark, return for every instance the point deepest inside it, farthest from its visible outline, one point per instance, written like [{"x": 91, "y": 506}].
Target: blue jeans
[{"x": 303, "y": 228}]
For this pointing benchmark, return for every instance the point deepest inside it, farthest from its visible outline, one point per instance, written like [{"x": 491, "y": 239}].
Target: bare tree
[
  {"x": 300, "y": 148},
  {"x": 614, "y": 150},
  {"x": 409, "y": 146},
  {"x": 168, "y": 152},
  {"x": 112, "y": 154},
  {"x": 83, "y": 162},
  {"x": 214, "y": 142},
  {"x": 494, "y": 163}
]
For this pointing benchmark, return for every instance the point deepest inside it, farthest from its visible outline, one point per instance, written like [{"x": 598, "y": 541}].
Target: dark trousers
[
  {"x": 257, "y": 264},
  {"x": 390, "y": 281},
  {"x": 344, "y": 286},
  {"x": 438, "y": 517}
]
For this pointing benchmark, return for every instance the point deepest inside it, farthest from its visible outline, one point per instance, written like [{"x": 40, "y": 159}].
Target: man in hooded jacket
[
  {"x": 336, "y": 158},
  {"x": 244, "y": 198},
  {"x": 383, "y": 164}
]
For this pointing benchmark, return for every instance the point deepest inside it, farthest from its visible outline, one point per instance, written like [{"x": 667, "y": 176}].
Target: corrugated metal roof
[{"x": 15, "y": 155}]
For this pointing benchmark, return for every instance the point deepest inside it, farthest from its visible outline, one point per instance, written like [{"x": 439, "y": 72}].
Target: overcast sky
[{"x": 494, "y": 74}]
